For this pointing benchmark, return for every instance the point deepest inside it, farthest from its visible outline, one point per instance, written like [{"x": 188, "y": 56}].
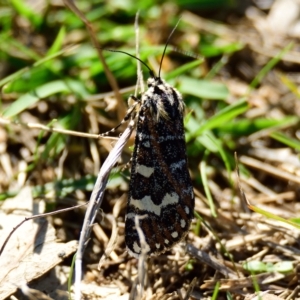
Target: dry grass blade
[
  {"x": 53, "y": 129},
  {"x": 241, "y": 283},
  {"x": 249, "y": 161},
  {"x": 112, "y": 242},
  {"x": 243, "y": 97},
  {"x": 95, "y": 202}
]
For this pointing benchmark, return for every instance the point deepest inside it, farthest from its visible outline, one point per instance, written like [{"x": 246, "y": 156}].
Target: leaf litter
[{"x": 250, "y": 250}]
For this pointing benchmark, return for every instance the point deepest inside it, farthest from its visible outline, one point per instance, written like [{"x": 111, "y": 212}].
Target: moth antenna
[
  {"x": 119, "y": 51},
  {"x": 187, "y": 53},
  {"x": 167, "y": 43}
]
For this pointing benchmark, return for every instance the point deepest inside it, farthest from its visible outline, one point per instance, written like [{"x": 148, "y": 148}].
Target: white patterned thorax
[{"x": 158, "y": 83}]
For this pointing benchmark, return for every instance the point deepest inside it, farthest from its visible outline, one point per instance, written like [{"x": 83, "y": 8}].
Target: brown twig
[
  {"x": 36, "y": 217},
  {"x": 112, "y": 81}
]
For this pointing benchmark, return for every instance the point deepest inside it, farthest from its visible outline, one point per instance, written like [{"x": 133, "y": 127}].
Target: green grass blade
[
  {"x": 183, "y": 69},
  {"x": 10, "y": 45},
  {"x": 272, "y": 216},
  {"x": 18, "y": 74},
  {"x": 216, "y": 291},
  {"x": 217, "y": 67},
  {"x": 58, "y": 43},
  {"x": 289, "y": 84},
  {"x": 249, "y": 126},
  {"x": 27, "y": 100},
  {"x": 203, "y": 88},
  {"x": 223, "y": 155},
  {"x": 270, "y": 65},
  {"x": 283, "y": 138},
  {"x": 70, "y": 278},
  {"x": 206, "y": 188},
  {"x": 222, "y": 117},
  {"x": 25, "y": 10}
]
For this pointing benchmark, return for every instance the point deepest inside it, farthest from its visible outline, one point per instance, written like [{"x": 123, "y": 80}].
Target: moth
[
  {"x": 160, "y": 191},
  {"x": 161, "y": 195}
]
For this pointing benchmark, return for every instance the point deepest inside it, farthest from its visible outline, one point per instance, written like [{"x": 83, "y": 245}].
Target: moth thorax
[
  {"x": 159, "y": 111},
  {"x": 154, "y": 81}
]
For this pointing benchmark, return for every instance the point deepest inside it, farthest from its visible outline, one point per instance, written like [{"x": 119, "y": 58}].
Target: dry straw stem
[
  {"x": 140, "y": 82},
  {"x": 111, "y": 243},
  {"x": 249, "y": 161},
  {"x": 95, "y": 202},
  {"x": 139, "y": 284},
  {"x": 53, "y": 129},
  {"x": 138, "y": 287}
]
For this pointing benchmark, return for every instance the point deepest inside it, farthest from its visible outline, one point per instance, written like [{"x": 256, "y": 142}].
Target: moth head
[{"x": 154, "y": 81}]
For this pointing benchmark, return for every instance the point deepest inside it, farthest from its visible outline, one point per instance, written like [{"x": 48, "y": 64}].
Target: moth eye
[{"x": 158, "y": 81}]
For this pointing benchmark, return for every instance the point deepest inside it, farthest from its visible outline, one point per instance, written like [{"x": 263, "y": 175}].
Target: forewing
[{"x": 161, "y": 192}]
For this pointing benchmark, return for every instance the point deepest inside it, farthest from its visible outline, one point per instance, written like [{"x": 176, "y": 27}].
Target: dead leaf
[{"x": 32, "y": 250}]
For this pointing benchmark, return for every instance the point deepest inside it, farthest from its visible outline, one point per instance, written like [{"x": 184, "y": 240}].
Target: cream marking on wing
[
  {"x": 136, "y": 248},
  {"x": 157, "y": 246},
  {"x": 146, "y": 247},
  {"x": 187, "y": 210},
  {"x": 174, "y": 234},
  {"x": 182, "y": 223},
  {"x": 166, "y": 241},
  {"x": 133, "y": 215},
  {"x": 147, "y": 204},
  {"x": 143, "y": 170}
]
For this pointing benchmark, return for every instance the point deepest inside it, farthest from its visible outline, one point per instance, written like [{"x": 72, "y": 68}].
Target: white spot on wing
[
  {"x": 147, "y": 204},
  {"x": 136, "y": 248},
  {"x": 166, "y": 241},
  {"x": 143, "y": 170},
  {"x": 147, "y": 247},
  {"x": 174, "y": 234},
  {"x": 182, "y": 223},
  {"x": 157, "y": 246},
  {"x": 187, "y": 210}
]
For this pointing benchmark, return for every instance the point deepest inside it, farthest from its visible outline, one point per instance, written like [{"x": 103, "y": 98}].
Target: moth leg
[
  {"x": 130, "y": 114},
  {"x": 127, "y": 165}
]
